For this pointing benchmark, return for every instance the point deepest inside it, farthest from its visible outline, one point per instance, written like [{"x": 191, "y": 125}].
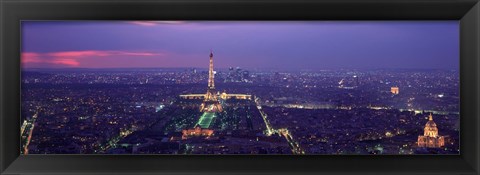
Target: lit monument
[
  {"x": 210, "y": 105},
  {"x": 430, "y": 138},
  {"x": 394, "y": 90},
  {"x": 210, "y": 99},
  {"x": 210, "y": 102}
]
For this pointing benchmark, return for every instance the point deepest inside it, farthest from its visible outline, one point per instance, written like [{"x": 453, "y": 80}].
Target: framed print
[{"x": 253, "y": 87}]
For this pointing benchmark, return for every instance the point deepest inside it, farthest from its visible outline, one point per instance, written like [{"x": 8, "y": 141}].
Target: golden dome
[
  {"x": 431, "y": 129},
  {"x": 430, "y": 123}
]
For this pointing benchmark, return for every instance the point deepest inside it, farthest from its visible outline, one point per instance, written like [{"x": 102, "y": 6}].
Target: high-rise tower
[{"x": 210, "y": 102}]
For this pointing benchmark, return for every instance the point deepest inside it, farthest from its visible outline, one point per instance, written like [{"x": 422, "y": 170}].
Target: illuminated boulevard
[
  {"x": 27, "y": 132},
  {"x": 282, "y": 131}
]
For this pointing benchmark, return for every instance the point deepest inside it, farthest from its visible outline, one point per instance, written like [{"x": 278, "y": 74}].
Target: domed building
[{"x": 430, "y": 138}]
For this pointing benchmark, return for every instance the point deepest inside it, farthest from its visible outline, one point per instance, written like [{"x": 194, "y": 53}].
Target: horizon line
[{"x": 72, "y": 68}]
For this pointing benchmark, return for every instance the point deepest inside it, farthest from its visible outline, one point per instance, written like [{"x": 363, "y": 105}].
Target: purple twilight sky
[{"x": 284, "y": 45}]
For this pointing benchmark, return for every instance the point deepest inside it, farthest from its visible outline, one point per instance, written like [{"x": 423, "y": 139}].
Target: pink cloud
[
  {"x": 67, "y": 62},
  {"x": 79, "y": 53},
  {"x": 98, "y": 53},
  {"x": 75, "y": 58},
  {"x": 29, "y": 57}
]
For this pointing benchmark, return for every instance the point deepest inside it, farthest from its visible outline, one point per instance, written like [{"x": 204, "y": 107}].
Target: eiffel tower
[{"x": 210, "y": 102}]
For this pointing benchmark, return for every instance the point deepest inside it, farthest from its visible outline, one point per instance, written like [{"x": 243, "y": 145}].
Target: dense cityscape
[{"x": 245, "y": 111}]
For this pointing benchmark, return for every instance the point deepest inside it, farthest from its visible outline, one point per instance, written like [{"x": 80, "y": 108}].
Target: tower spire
[
  {"x": 430, "y": 117},
  {"x": 211, "y": 75}
]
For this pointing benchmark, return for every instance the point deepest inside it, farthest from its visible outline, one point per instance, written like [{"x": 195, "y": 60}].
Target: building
[
  {"x": 394, "y": 90},
  {"x": 196, "y": 132},
  {"x": 226, "y": 96},
  {"x": 430, "y": 138}
]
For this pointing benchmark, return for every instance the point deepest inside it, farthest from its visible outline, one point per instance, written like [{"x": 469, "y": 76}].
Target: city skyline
[{"x": 254, "y": 45}]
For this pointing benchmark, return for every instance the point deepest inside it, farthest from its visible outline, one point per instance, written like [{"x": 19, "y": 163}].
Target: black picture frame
[{"x": 14, "y": 11}]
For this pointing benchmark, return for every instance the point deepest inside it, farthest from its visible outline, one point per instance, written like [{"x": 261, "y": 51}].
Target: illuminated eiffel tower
[
  {"x": 210, "y": 102},
  {"x": 210, "y": 105}
]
